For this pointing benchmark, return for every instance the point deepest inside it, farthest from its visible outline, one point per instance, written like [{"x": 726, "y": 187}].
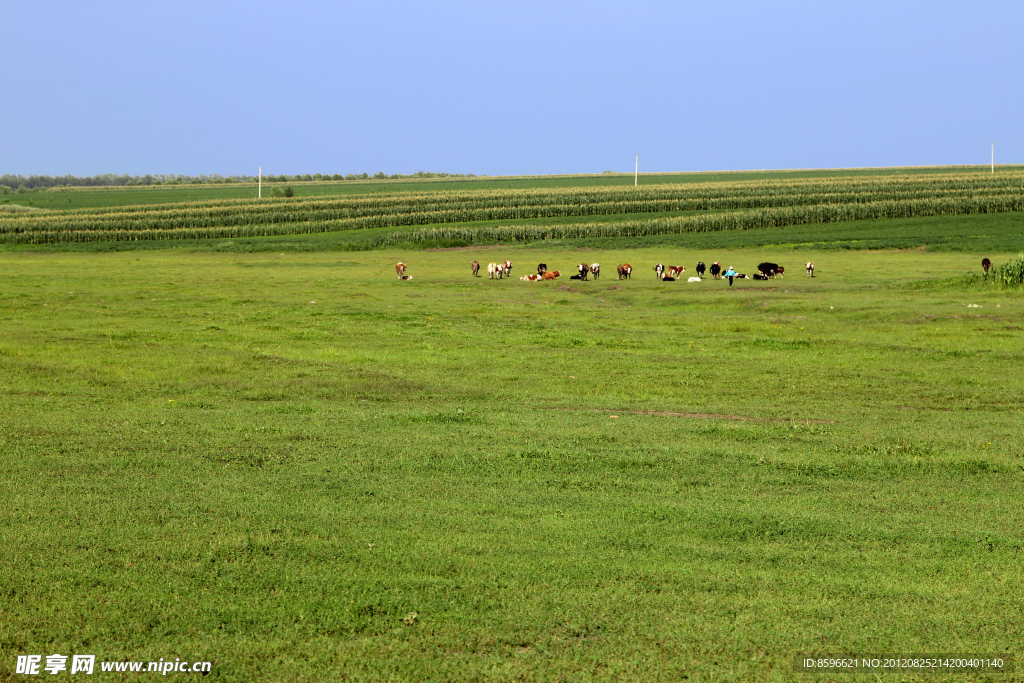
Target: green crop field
[{"x": 268, "y": 452}]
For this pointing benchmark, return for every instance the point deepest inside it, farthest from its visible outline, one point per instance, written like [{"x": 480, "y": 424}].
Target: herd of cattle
[{"x": 498, "y": 271}]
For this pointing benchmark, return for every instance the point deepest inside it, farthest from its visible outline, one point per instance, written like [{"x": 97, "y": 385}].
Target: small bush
[{"x": 1009, "y": 274}]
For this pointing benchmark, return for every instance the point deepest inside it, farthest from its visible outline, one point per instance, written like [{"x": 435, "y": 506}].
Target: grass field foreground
[{"x": 301, "y": 468}]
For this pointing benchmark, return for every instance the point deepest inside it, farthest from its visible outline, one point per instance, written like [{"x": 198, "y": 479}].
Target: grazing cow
[
  {"x": 506, "y": 268},
  {"x": 550, "y": 275},
  {"x": 475, "y": 265},
  {"x": 716, "y": 268},
  {"x": 986, "y": 264},
  {"x": 624, "y": 271},
  {"x": 769, "y": 269},
  {"x": 700, "y": 269},
  {"x": 584, "y": 269},
  {"x": 542, "y": 268},
  {"x": 530, "y": 278},
  {"x": 810, "y": 268},
  {"x": 400, "y": 269},
  {"x": 595, "y": 270},
  {"x": 659, "y": 270},
  {"x": 494, "y": 271},
  {"x": 676, "y": 271}
]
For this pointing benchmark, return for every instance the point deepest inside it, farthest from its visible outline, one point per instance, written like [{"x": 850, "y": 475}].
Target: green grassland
[{"x": 301, "y": 468}]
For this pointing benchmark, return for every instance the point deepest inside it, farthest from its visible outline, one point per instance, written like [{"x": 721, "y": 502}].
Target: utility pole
[
  {"x": 261, "y": 184},
  {"x": 636, "y": 172}
]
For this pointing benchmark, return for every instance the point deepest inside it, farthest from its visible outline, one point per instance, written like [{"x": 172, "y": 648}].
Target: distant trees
[{"x": 40, "y": 183}]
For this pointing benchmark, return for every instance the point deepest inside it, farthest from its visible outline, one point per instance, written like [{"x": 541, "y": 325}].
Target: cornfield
[{"x": 722, "y": 206}]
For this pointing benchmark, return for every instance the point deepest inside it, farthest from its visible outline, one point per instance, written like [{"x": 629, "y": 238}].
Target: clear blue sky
[{"x": 506, "y": 87}]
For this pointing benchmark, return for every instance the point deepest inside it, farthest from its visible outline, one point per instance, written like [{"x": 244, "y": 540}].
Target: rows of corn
[{"x": 721, "y": 206}]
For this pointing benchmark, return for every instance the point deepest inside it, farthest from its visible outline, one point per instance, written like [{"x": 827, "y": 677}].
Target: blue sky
[{"x": 507, "y": 87}]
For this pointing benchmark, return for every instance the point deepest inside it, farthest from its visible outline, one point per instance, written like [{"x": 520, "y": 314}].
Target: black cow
[
  {"x": 700, "y": 269},
  {"x": 768, "y": 269},
  {"x": 716, "y": 268},
  {"x": 542, "y": 268}
]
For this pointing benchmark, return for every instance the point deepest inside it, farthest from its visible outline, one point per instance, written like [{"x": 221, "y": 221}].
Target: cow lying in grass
[
  {"x": 550, "y": 275},
  {"x": 531, "y": 278}
]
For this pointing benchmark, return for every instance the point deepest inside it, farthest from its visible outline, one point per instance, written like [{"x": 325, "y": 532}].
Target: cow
[
  {"x": 668, "y": 278},
  {"x": 676, "y": 271},
  {"x": 700, "y": 269},
  {"x": 624, "y": 271},
  {"x": 595, "y": 270},
  {"x": 400, "y": 269},
  {"x": 782, "y": 272},
  {"x": 550, "y": 275},
  {"x": 584, "y": 269},
  {"x": 506, "y": 268},
  {"x": 475, "y": 265},
  {"x": 986, "y": 264},
  {"x": 659, "y": 270},
  {"x": 760, "y": 276},
  {"x": 716, "y": 268},
  {"x": 542, "y": 268},
  {"x": 694, "y": 279},
  {"x": 494, "y": 271},
  {"x": 767, "y": 268},
  {"x": 810, "y": 268},
  {"x": 530, "y": 278}
]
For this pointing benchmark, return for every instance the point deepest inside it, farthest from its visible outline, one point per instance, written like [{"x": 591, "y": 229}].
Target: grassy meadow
[{"x": 296, "y": 466}]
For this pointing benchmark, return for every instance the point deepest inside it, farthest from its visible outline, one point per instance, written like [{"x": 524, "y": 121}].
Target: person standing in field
[{"x": 731, "y": 273}]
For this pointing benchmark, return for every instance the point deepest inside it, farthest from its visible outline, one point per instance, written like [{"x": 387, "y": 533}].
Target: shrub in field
[{"x": 1009, "y": 274}]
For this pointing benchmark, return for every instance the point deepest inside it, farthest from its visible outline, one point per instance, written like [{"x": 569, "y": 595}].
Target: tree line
[{"x": 35, "y": 183}]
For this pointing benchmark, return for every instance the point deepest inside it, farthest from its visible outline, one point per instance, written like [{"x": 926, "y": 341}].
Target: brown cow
[
  {"x": 676, "y": 271},
  {"x": 475, "y": 265},
  {"x": 550, "y": 275},
  {"x": 986, "y": 264},
  {"x": 531, "y": 278},
  {"x": 624, "y": 270},
  {"x": 400, "y": 269},
  {"x": 810, "y": 269},
  {"x": 584, "y": 270}
]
